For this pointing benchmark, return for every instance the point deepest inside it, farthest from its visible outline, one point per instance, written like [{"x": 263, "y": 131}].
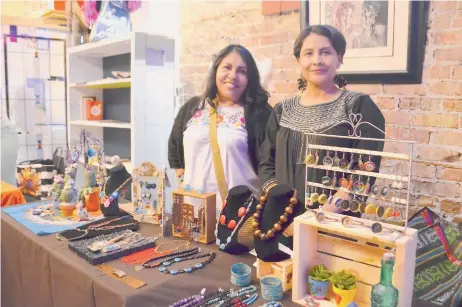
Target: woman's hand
[
  {"x": 179, "y": 172},
  {"x": 338, "y": 195}
]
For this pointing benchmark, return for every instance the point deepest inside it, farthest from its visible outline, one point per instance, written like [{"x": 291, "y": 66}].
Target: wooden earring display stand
[
  {"x": 185, "y": 218},
  {"x": 355, "y": 249}
]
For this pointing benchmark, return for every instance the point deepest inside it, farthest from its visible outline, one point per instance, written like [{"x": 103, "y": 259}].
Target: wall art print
[
  {"x": 113, "y": 21},
  {"x": 385, "y": 39}
]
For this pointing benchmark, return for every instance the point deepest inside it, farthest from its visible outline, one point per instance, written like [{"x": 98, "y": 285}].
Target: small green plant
[
  {"x": 68, "y": 194},
  {"x": 343, "y": 280},
  {"x": 320, "y": 273},
  {"x": 90, "y": 183}
]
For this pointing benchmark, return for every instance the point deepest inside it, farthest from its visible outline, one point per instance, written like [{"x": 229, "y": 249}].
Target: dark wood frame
[{"x": 415, "y": 57}]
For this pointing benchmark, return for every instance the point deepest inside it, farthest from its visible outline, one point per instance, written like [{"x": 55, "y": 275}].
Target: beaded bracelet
[
  {"x": 271, "y": 289},
  {"x": 236, "y": 294},
  {"x": 273, "y": 304},
  {"x": 187, "y": 300},
  {"x": 215, "y": 298},
  {"x": 251, "y": 299},
  {"x": 240, "y": 274}
]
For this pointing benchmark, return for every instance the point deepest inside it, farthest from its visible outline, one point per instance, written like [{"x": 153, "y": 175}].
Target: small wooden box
[
  {"x": 282, "y": 270},
  {"x": 354, "y": 248},
  {"x": 185, "y": 215}
]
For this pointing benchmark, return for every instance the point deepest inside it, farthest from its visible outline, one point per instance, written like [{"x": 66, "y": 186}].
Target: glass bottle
[{"x": 384, "y": 294}]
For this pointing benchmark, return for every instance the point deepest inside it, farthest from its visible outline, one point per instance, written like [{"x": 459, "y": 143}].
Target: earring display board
[
  {"x": 148, "y": 195},
  {"x": 354, "y": 248},
  {"x": 374, "y": 194},
  {"x": 195, "y": 222}
]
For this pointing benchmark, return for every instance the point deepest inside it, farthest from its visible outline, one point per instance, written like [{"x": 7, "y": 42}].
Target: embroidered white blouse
[{"x": 232, "y": 141}]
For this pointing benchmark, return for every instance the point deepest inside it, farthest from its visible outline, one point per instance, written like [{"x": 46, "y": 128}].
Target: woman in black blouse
[{"x": 319, "y": 50}]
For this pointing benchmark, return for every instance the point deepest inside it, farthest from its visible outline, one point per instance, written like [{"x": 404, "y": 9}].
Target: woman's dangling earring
[
  {"x": 301, "y": 82},
  {"x": 340, "y": 81}
]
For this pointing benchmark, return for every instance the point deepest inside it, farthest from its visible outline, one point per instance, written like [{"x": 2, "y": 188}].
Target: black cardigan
[{"x": 256, "y": 118}]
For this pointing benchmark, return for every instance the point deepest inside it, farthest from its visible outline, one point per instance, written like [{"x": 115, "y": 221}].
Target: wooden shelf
[
  {"x": 104, "y": 48},
  {"x": 102, "y": 123},
  {"x": 104, "y": 84}
]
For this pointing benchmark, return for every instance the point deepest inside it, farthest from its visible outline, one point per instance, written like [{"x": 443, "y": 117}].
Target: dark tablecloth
[{"x": 40, "y": 271}]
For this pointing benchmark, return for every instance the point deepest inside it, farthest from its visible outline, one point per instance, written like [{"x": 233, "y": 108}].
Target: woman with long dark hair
[
  {"x": 322, "y": 107},
  {"x": 234, "y": 92}
]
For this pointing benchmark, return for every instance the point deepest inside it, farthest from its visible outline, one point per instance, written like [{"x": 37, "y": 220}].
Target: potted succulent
[
  {"x": 344, "y": 286},
  {"x": 56, "y": 189},
  {"x": 68, "y": 198},
  {"x": 89, "y": 193},
  {"x": 319, "y": 279}
]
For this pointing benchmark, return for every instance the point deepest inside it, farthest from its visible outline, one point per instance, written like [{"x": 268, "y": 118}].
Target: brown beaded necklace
[{"x": 277, "y": 227}]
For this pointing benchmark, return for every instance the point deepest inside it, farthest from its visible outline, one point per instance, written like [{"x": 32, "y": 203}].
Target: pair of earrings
[
  {"x": 313, "y": 197},
  {"x": 312, "y": 159},
  {"x": 367, "y": 166}
]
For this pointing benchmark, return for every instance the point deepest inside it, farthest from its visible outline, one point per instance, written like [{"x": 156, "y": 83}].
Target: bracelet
[
  {"x": 269, "y": 187},
  {"x": 240, "y": 274},
  {"x": 273, "y": 304},
  {"x": 271, "y": 289}
]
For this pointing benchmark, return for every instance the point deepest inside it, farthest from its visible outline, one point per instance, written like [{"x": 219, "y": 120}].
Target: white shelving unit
[{"x": 142, "y": 104}]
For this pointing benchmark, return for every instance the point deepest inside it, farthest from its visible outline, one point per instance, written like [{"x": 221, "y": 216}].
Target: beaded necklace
[
  {"x": 229, "y": 239},
  {"x": 97, "y": 227},
  {"x": 151, "y": 254},
  {"x": 270, "y": 234},
  {"x": 191, "y": 269},
  {"x": 166, "y": 264},
  {"x": 234, "y": 296},
  {"x": 105, "y": 200},
  {"x": 173, "y": 257}
]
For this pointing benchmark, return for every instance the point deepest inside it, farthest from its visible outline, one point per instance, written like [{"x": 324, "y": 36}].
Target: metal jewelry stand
[{"x": 354, "y": 123}]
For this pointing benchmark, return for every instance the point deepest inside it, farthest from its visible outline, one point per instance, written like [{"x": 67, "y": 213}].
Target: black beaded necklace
[{"x": 191, "y": 269}]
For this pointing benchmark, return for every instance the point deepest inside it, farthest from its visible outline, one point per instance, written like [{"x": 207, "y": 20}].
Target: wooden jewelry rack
[
  {"x": 184, "y": 217},
  {"x": 354, "y": 244}
]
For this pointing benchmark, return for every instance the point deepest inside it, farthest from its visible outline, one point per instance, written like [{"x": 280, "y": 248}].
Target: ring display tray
[{"x": 94, "y": 258}]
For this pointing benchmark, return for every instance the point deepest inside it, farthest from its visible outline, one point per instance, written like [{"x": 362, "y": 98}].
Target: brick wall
[{"x": 434, "y": 108}]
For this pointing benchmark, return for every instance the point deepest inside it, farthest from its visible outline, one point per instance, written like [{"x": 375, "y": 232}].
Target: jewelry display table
[{"x": 41, "y": 271}]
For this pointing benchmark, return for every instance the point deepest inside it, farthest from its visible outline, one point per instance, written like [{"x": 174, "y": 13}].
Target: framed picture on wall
[
  {"x": 113, "y": 21},
  {"x": 385, "y": 39}
]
